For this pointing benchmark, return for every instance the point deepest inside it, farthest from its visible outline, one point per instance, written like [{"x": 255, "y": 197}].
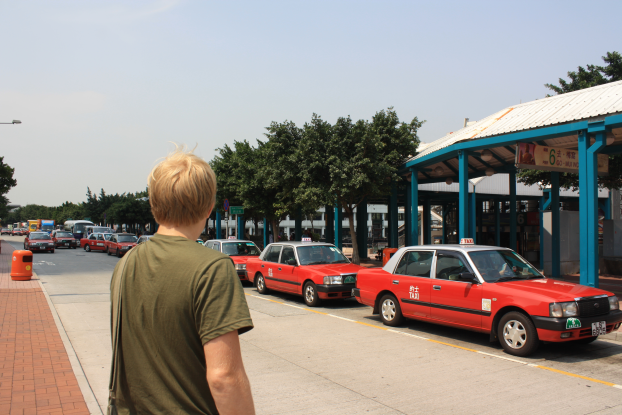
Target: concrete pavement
[{"x": 338, "y": 358}]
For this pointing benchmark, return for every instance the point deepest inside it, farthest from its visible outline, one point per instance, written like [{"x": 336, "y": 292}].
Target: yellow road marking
[
  {"x": 575, "y": 375},
  {"x": 446, "y": 344}
]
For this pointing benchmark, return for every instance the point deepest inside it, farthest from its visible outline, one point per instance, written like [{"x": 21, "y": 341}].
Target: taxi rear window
[{"x": 416, "y": 264}]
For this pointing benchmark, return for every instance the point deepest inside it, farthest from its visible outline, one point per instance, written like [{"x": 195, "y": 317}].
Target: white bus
[{"x": 78, "y": 227}]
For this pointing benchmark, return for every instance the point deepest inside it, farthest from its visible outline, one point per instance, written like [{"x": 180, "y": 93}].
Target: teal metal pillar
[
  {"x": 298, "y": 225},
  {"x": 329, "y": 223},
  {"x": 218, "y": 225},
  {"x": 265, "y": 232},
  {"x": 512, "y": 184},
  {"x": 463, "y": 195},
  {"x": 427, "y": 222},
  {"x": 555, "y": 229},
  {"x": 588, "y": 202},
  {"x": 544, "y": 205},
  {"x": 408, "y": 216},
  {"x": 361, "y": 228},
  {"x": 472, "y": 216},
  {"x": 393, "y": 237},
  {"x": 497, "y": 223},
  {"x": 413, "y": 228},
  {"x": 338, "y": 226},
  {"x": 241, "y": 227}
]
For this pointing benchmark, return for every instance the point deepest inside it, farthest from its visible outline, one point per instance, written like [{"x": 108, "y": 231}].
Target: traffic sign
[
  {"x": 237, "y": 210},
  {"x": 226, "y": 205}
]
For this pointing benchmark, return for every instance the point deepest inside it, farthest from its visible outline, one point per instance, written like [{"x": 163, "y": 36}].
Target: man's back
[{"x": 177, "y": 296}]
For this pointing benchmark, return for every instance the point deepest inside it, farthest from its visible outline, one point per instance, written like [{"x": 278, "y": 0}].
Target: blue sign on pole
[{"x": 226, "y": 205}]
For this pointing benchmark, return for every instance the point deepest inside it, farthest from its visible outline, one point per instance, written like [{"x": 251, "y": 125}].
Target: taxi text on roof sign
[
  {"x": 231, "y": 237},
  {"x": 467, "y": 241},
  {"x": 306, "y": 239}
]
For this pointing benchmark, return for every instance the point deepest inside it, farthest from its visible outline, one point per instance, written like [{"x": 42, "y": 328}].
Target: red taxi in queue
[
  {"x": 39, "y": 242},
  {"x": 239, "y": 250},
  {"x": 19, "y": 232},
  {"x": 64, "y": 239},
  {"x": 95, "y": 242},
  {"x": 315, "y": 270},
  {"x": 120, "y": 243},
  {"x": 486, "y": 289}
]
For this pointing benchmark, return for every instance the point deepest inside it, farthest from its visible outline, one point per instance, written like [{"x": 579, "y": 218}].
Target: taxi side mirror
[
  {"x": 468, "y": 277},
  {"x": 291, "y": 261}
]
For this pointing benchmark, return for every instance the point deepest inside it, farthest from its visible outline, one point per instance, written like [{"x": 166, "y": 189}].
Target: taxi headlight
[
  {"x": 241, "y": 267},
  {"x": 331, "y": 280},
  {"x": 614, "y": 303},
  {"x": 568, "y": 309}
]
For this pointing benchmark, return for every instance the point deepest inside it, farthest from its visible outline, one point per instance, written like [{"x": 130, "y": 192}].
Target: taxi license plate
[
  {"x": 599, "y": 328},
  {"x": 66, "y": 244},
  {"x": 349, "y": 280},
  {"x": 100, "y": 244}
]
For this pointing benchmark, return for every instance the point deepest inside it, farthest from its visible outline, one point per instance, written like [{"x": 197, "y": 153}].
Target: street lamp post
[{"x": 14, "y": 122}]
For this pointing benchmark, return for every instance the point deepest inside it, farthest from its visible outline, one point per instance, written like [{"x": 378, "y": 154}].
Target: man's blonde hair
[{"x": 182, "y": 188}]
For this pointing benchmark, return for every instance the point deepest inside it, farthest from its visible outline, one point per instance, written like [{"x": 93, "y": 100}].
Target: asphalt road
[{"x": 339, "y": 358}]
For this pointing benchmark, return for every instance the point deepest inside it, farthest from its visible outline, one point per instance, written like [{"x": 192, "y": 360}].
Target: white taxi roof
[{"x": 465, "y": 248}]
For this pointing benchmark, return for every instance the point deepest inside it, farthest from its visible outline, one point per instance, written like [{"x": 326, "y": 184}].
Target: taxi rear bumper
[{"x": 559, "y": 323}]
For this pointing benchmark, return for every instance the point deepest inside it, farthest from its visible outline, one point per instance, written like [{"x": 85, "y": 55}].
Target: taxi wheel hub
[
  {"x": 514, "y": 334},
  {"x": 260, "y": 283},
  {"x": 388, "y": 309},
  {"x": 310, "y": 293}
]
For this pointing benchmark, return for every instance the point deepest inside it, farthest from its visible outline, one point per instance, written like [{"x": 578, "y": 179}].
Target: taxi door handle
[
  {"x": 436, "y": 287},
  {"x": 396, "y": 282},
  {"x": 262, "y": 266},
  {"x": 279, "y": 269}
]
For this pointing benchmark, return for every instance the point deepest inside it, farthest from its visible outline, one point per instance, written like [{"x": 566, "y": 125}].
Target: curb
[{"x": 83, "y": 383}]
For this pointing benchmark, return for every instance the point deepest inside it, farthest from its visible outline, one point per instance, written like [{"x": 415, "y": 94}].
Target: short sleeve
[{"x": 219, "y": 302}]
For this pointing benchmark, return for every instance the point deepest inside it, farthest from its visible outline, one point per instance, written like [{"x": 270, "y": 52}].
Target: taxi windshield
[
  {"x": 320, "y": 254},
  {"x": 503, "y": 265},
  {"x": 39, "y": 236},
  {"x": 64, "y": 235},
  {"x": 127, "y": 238},
  {"x": 240, "y": 249}
]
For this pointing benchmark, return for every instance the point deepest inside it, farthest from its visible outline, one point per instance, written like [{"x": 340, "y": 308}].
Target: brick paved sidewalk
[{"x": 35, "y": 373}]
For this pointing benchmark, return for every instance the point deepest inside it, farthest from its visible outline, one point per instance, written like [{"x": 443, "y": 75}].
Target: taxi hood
[
  {"x": 332, "y": 269},
  {"x": 242, "y": 259},
  {"x": 554, "y": 290}
]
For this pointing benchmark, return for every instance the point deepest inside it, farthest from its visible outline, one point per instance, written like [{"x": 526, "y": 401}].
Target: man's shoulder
[{"x": 182, "y": 250}]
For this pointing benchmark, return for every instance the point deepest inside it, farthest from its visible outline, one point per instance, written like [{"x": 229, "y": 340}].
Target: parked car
[
  {"x": 19, "y": 232},
  {"x": 6, "y": 231},
  {"x": 315, "y": 270},
  {"x": 239, "y": 250},
  {"x": 120, "y": 243},
  {"x": 39, "y": 242},
  {"x": 64, "y": 239},
  {"x": 486, "y": 289},
  {"x": 143, "y": 238}
]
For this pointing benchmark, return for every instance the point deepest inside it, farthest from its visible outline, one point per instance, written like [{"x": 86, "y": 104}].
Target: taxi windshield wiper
[
  {"x": 510, "y": 278},
  {"x": 341, "y": 261},
  {"x": 317, "y": 262}
]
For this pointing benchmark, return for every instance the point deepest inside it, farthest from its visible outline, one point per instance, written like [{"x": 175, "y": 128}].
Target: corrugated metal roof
[{"x": 574, "y": 106}]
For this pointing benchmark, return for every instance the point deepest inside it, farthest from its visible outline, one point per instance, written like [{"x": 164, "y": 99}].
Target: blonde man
[{"x": 182, "y": 307}]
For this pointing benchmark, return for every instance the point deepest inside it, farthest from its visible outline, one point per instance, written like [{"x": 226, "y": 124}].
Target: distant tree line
[{"x": 299, "y": 169}]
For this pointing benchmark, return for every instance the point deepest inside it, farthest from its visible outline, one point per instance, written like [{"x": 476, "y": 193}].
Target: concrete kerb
[{"x": 83, "y": 383}]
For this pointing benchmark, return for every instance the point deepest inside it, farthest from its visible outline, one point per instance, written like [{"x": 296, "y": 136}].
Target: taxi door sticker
[
  {"x": 269, "y": 272},
  {"x": 414, "y": 293},
  {"x": 573, "y": 323},
  {"x": 486, "y": 304}
]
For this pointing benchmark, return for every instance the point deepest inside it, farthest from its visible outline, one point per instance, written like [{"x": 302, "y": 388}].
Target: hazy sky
[{"x": 102, "y": 86}]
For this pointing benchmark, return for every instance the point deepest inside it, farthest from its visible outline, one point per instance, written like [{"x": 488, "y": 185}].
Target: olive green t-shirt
[{"x": 177, "y": 296}]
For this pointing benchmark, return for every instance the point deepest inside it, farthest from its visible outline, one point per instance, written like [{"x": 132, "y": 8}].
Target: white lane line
[
  {"x": 342, "y": 318},
  {"x": 407, "y": 334}
]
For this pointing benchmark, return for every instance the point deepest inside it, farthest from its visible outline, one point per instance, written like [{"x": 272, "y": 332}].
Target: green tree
[
  {"x": 6, "y": 183},
  {"x": 588, "y": 77}
]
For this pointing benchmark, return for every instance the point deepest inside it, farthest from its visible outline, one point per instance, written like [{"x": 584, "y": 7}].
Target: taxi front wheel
[
  {"x": 87, "y": 248},
  {"x": 517, "y": 334},
  {"x": 390, "y": 311},
  {"x": 261, "y": 285},
  {"x": 309, "y": 293}
]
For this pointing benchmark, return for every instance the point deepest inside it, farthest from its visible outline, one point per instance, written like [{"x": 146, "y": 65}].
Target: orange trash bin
[
  {"x": 21, "y": 266},
  {"x": 387, "y": 253}
]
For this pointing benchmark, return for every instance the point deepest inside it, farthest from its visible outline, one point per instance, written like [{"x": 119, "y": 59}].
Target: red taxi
[
  {"x": 486, "y": 289},
  {"x": 95, "y": 242},
  {"x": 315, "y": 270},
  {"x": 39, "y": 242},
  {"x": 64, "y": 239},
  {"x": 19, "y": 231},
  {"x": 120, "y": 243},
  {"x": 239, "y": 250}
]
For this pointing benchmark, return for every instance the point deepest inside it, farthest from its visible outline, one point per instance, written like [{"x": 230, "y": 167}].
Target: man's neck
[{"x": 191, "y": 232}]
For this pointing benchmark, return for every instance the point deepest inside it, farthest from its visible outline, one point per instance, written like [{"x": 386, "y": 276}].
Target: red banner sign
[{"x": 532, "y": 156}]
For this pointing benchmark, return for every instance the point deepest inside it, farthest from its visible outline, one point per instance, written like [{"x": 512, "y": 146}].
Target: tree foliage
[
  {"x": 6, "y": 183},
  {"x": 588, "y": 77}
]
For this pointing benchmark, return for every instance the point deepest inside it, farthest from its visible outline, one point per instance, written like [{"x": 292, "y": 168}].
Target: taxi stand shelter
[{"x": 589, "y": 120}]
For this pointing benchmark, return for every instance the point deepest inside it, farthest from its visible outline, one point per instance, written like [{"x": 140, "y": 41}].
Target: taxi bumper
[
  {"x": 243, "y": 275},
  {"x": 335, "y": 288},
  {"x": 559, "y": 323}
]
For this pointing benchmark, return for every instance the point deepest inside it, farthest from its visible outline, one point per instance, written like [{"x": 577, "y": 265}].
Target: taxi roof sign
[
  {"x": 231, "y": 237},
  {"x": 467, "y": 241},
  {"x": 306, "y": 239}
]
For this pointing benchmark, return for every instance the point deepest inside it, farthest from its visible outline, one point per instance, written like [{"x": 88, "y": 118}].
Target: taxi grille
[{"x": 593, "y": 307}]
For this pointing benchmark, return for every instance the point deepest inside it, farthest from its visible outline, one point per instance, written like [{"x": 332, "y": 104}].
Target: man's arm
[{"x": 226, "y": 375}]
